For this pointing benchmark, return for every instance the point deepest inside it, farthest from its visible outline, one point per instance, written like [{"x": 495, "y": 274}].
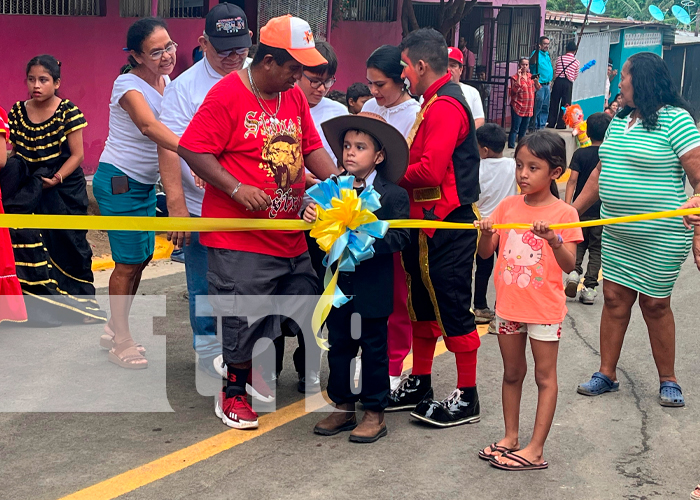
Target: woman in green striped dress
[{"x": 648, "y": 147}]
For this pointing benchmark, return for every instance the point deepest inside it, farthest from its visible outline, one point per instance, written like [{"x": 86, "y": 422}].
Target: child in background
[
  {"x": 497, "y": 182},
  {"x": 582, "y": 164},
  {"x": 377, "y": 155},
  {"x": 338, "y": 96},
  {"x": 357, "y": 95},
  {"x": 529, "y": 292},
  {"x": 315, "y": 82}
]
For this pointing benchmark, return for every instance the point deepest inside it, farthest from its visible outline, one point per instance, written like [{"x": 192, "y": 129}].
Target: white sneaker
[
  {"x": 571, "y": 286},
  {"x": 588, "y": 296},
  {"x": 220, "y": 366},
  {"x": 394, "y": 382}
]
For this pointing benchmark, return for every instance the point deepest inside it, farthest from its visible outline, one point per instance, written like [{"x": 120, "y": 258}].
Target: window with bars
[
  {"x": 51, "y": 7},
  {"x": 134, "y": 8},
  {"x": 369, "y": 10},
  {"x": 181, "y": 8},
  {"x": 166, "y": 8}
]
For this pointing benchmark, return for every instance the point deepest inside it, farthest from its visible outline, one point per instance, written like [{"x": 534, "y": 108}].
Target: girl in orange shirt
[{"x": 530, "y": 298}]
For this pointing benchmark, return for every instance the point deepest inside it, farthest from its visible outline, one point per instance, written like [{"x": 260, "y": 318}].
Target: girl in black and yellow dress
[{"x": 44, "y": 177}]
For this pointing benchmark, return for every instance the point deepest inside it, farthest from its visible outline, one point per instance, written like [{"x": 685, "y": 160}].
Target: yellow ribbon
[
  {"x": 330, "y": 225},
  {"x": 195, "y": 224},
  {"x": 346, "y": 213}
]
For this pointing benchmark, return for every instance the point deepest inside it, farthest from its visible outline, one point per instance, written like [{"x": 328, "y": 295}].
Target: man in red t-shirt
[
  {"x": 443, "y": 183},
  {"x": 250, "y": 141}
]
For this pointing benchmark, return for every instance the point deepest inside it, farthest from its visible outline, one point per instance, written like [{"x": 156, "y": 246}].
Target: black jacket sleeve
[{"x": 397, "y": 207}]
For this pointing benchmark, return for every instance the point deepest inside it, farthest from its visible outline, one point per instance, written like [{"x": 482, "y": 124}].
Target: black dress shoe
[
  {"x": 410, "y": 392},
  {"x": 461, "y": 407}
]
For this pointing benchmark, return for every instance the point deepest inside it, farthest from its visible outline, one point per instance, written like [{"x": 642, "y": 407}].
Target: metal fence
[
  {"x": 369, "y": 10},
  {"x": 315, "y": 12},
  {"x": 134, "y": 8},
  {"x": 51, "y": 7},
  {"x": 181, "y": 8}
]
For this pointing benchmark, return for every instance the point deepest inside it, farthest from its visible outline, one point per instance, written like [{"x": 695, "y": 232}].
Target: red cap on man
[{"x": 455, "y": 54}]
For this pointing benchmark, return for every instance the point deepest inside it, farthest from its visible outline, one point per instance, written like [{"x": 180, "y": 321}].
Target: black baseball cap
[{"x": 227, "y": 27}]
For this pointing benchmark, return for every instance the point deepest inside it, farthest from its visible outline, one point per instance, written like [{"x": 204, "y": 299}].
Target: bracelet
[
  {"x": 696, "y": 195},
  {"x": 60, "y": 177},
  {"x": 236, "y": 190}
]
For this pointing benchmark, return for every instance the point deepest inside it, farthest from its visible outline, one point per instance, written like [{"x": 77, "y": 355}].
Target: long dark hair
[
  {"x": 653, "y": 89},
  {"x": 387, "y": 59},
  {"x": 547, "y": 146},
  {"x": 138, "y": 32}
]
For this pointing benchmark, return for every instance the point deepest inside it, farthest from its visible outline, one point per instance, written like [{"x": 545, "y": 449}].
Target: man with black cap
[{"x": 225, "y": 44}]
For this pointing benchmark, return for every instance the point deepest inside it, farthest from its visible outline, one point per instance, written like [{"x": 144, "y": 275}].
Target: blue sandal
[
  {"x": 670, "y": 394},
  {"x": 599, "y": 384}
]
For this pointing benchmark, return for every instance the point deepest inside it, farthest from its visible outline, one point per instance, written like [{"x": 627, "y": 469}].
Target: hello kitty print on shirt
[{"x": 523, "y": 254}]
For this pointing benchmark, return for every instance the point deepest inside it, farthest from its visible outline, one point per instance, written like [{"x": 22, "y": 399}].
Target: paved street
[{"x": 617, "y": 446}]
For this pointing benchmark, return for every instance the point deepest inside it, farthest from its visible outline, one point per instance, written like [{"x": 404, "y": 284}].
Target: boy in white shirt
[
  {"x": 497, "y": 181},
  {"x": 315, "y": 82}
]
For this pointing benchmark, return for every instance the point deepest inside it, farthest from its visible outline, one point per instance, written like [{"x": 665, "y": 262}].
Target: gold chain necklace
[{"x": 261, "y": 101}]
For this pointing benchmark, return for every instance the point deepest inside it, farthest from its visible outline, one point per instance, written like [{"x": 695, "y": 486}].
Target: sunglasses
[{"x": 225, "y": 53}]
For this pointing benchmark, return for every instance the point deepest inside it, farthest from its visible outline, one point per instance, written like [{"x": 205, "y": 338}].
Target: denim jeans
[
  {"x": 204, "y": 341},
  {"x": 518, "y": 126},
  {"x": 541, "y": 110}
]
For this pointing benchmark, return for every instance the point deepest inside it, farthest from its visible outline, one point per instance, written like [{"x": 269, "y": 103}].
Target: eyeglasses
[
  {"x": 225, "y": 53},
  {"x": 171, "y": 48},
  {"x": 316, "y": 84}
]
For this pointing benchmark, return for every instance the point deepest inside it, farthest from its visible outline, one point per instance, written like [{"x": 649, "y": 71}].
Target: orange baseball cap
[{"x": 293, "y": 35}]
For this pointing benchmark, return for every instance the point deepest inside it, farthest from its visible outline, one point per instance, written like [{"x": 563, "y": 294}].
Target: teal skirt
[{"x": 128, "y": 247}]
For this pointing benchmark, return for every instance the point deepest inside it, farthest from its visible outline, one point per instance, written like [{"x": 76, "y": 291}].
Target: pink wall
[
  {"x": 354, "y": 41},
  {"x": 90, "y": 51}
]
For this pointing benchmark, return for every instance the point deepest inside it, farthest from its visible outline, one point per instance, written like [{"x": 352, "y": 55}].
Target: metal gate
[
  {"x": 315, "y": 12},
  {"x": 498, "y": 37}
]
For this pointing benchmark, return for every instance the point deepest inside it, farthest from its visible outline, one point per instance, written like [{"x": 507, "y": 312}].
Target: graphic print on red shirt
[{"x": 259, "y": 150}]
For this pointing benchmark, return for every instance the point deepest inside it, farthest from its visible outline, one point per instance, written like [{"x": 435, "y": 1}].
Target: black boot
[
  {"x": 410, "y": 392},
  {"x": 461, "y": 407}
]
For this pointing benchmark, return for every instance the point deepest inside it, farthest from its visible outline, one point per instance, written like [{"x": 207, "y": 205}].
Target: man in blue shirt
[{"x": 541, "y": 64}]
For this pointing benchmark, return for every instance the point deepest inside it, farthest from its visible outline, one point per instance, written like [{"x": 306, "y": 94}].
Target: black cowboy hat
[{"x": 394, "y": 144}]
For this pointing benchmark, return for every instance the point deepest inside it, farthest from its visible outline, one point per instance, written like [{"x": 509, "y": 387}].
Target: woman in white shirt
[
  {"x": 391, "y": 99},
  {"x": 392, "y": 102},
  {"x": 128, "y": 171}
]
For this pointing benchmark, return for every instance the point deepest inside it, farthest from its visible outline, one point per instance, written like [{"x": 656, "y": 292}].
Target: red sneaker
[
  {"x": 256, "y": 385},
  {"x": 236, "y": 412},
  {"x": 258, "y": 388}
]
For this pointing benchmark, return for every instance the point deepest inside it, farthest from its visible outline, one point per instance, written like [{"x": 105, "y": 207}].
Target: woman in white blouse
[
  {"x": 391, "y": 99},
  {"x": 124, "y": 184},
  {"x": 392, "y": 102}
]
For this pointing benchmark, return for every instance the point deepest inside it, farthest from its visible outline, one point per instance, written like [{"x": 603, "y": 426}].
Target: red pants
[{"x": 400, "y": 331}]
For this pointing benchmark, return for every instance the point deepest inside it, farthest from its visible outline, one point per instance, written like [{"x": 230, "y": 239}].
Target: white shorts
[{"x": 546, "y": 333}]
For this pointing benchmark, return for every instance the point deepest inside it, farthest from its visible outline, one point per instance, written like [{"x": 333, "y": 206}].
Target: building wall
[
  {"x": 354, "y": 41},
  {"x": 619, "y": 53},
  {"x": 90, "y": 51}
]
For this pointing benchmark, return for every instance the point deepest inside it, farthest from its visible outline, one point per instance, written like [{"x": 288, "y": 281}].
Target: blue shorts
[{"x": 128, "y": 247}]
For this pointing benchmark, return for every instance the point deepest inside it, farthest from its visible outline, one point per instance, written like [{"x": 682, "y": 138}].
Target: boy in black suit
[{"x": 376, "y": 154}]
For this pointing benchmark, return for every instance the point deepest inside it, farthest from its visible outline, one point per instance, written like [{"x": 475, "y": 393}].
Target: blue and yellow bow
[{"x": 345, "y": 229}]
